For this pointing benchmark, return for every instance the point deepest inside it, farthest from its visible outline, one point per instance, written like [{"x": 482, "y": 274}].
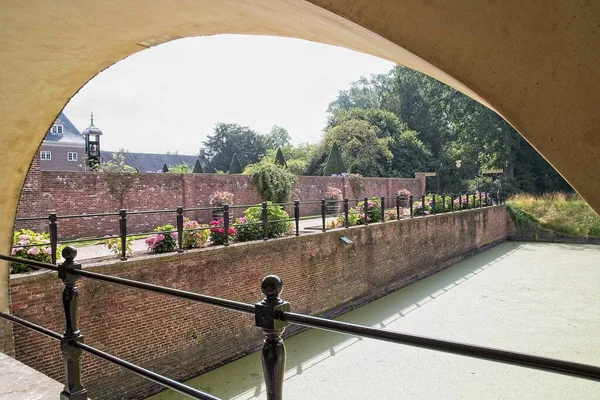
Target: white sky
[{"x": 169, "y": 97}]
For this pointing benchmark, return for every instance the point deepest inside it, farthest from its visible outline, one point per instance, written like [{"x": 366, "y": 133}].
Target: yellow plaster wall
[{"x": 535, "y": 62}]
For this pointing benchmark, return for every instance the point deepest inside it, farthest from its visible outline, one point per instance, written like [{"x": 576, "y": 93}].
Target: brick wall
[
  {"x": 180, "y": 338},
  {"x": 69, "y": 193}
]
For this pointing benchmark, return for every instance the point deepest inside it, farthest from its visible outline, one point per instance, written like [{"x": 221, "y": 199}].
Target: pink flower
[
  {"x": 48, "y": 250},
  {"x": 22, "y": 242},
  {"x": 232, "y": 231},
  {"x": 174, "y": 235},
  {"x": 160, "y": 237},
  {"x": 13, "y": 251},
  {"x": 106, "y": 236},
  {"x": 24, "y": 237},
  {"x": 34, "y": 251}
]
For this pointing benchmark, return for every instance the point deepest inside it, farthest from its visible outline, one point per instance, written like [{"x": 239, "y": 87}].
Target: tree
[
  {"x": 235, "y": 167},
  {"x": 197, "y": 167},
  {"x": 335, "y": 164},
  {"x": 120, "y": 177},
  {"x": 165, "y": 169},
  {"x": 278, "y": 137},
  {"x": 229, "y": 139},
  {"x": 280, "y": 159},
  {"x": 272, "y": 182},
  {"x": 182, "y": 168}
]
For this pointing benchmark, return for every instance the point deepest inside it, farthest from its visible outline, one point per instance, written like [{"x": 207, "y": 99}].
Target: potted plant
[
  {"x": 333, "y": 198},
  {"x": 217, "y": 200},
  {"x": 403, "y": 196}
]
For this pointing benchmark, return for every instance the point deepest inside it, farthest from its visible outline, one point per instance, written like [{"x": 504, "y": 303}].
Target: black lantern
[{"x": 92, "y": 145}]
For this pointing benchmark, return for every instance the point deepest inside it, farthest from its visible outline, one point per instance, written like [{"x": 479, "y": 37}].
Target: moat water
[{"x": 507, "y": 297}]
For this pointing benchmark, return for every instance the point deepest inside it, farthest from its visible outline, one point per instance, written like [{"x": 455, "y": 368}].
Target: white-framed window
[
  {"x": 56, "y": 129},
  {"x": 46, "y": 155},
  {"x": 72, "y": 156}
]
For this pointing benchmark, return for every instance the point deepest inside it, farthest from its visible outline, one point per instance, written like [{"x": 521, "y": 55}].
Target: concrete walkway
[
  {"x": 542, "y": 299},
  {"x": 20, "y": 382}
]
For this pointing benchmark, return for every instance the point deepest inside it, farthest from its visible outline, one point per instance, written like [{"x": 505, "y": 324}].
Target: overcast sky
[{"x": 169, "y": 97}]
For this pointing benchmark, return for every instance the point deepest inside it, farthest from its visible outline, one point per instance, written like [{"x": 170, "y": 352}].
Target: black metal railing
[
  {"x": 343, "y": 210},
  {"x": 272, "y": 315}
]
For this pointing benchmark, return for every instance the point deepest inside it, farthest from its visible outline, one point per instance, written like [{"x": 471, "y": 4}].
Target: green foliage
[
  {"x": 165, "y": 169},
  {"x": 218, "y": 235},
  {"x": 373, "y": 211},
  {"x": 250, "y": 225},
  {"x": 115, "y": 245},
  {"x": 198, "y": 167},
  {"x": 272, "y": 182},
  {"x": 335, "y": 164},
  {"x": 164, "y": 241},
  {"x": 182, "y": 168},
  {"x": 278, "y": 137},
  {"x": 22, "y": 240},
  {"x": 235, "y": 167},
  {"x": 280, "y": 159},
  {"x": 229, "y": 139},
  {"x": 559, "y": 212},
  {"x": 116, "y": 165},
  {"x": 195, "y": 235},
  {"x": 356, "y": 184}
]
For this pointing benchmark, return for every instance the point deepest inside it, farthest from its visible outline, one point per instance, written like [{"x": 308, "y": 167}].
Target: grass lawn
[{"x": 560, "y": 212}]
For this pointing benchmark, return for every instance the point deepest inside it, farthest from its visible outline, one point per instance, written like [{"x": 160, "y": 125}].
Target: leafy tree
[
  {"x": 235, "y": 167},
  {"x": 335, "y": 164},
  {"x": 229, "y": 139},
  {"x": 273, "y": 183},
  {"x": 165, "y": 168},
  {"x": 182, "y": 168},
  {"x": 278, "y": 137},
  {"x": 198, "y": 167},
  {"x": 280, "y": 159}
]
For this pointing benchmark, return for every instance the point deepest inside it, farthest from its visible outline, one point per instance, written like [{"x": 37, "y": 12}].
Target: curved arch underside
[{"x": 536, "y": 62}]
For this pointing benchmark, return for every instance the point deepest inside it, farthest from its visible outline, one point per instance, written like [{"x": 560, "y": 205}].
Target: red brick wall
[
  {"x": 180, "y": 338},
  {"x": 69, "y": 193}
]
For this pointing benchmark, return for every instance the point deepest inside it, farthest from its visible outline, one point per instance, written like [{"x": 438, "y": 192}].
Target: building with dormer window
[{"x": 63, "y": 148}]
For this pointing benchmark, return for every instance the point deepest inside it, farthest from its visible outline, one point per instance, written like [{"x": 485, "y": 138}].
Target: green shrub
[
  {"x": 164, "y": 241},
  {"x": 115, "y": 246},
  {"x": 335, "y": 163},
  {"x": 23, "y": 239},
  {"x": 195, "y": 235},
  {"x": 373, "y": 211},
  {"x": 250, "y": 226},
  {"x": 272, "y": 182}
]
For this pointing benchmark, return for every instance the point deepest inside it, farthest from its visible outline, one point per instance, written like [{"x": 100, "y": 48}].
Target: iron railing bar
[
  {"x": 199, "y": 209},
  {"x": 31, "y": 219},
  {"x": 202, "y": 298},
  {"x": 486, "y": 353},
  {"x": 31, "y": 263},
  {"x": 150, "y": 375},
  {"x": 32, "y": 326},
  {"x": 87, "y": 215},
  {"x": 129, "y": 213}
]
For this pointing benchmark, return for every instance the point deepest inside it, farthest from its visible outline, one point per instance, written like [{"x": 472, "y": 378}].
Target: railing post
[
  {"x": 273, "y": 351},
  {"x": 474, "y": 201},
  {"x": 366, "y": 210},
  {"x": 53, "y": 229},
  {"x": 297, "y": 216},
  {"x": 410, "y": 201},
  {"x": 346, "y": 212},
  {"x": 180, "y": 229},
  {"x": 382, "y": 208},
  {"x": 480, "y": 204},
  {"x": 323, "y": 209},
  {"x": 433, "y": 204},
  {"x": 226, "y": 223},
  {"x": 123, "y": 233},
  {"x": 265, "y": 221},
  {"x": 423, "y": 204},
  {"x": 443, "y": 203},
  {"x": 467, "y": 200},
  {"x": 452, "y": 202},
  {"x": 398, "y": 207},
  {"x": 73, "y": 389}
]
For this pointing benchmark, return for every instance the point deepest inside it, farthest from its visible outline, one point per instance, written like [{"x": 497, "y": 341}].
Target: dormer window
[{"x": 56, "y": 129}]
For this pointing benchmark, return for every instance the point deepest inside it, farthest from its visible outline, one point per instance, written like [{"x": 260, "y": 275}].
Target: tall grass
[{"x": 560, "y": 212}]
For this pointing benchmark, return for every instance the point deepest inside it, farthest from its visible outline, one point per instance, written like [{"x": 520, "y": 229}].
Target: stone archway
[{"x": 535, "y": 63}]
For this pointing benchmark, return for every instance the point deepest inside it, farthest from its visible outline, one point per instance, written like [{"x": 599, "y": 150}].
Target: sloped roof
[
  {"x": 70, "y": 134},
  {"x": 145, "y": 162}
]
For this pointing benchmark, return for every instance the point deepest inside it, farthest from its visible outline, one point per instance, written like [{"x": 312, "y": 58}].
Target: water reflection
[{"x": 243, "y": 378}]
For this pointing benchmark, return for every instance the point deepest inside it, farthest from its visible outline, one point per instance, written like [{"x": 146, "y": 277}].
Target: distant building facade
[{"x": 63, "y": 148}]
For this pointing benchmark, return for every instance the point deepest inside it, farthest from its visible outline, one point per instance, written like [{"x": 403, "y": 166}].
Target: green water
[{"x": 243, "y": 378}]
